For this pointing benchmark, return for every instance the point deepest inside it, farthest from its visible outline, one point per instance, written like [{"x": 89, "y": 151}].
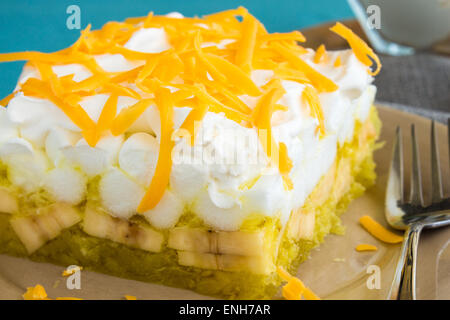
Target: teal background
[{"x": 41, "y": 24}]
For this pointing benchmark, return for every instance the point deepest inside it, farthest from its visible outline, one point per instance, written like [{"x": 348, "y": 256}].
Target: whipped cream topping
[{"x": 43, "y": 149}]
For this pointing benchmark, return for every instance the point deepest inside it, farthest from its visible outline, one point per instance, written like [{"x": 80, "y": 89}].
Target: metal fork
[{"x": 412, "y": 215}]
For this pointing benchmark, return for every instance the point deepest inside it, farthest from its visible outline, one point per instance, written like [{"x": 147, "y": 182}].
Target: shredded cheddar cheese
[
  {"x": 378, "y": 231},
  {"x": 160, "y": 180},
  {"x": 337, "y": 62},
  {"x": 38, "y": 293},
  {"x": 312, "y": 98},
  {"x": 207, "y": 79},
  {"x": 366, "y": 247},
  {"x": 127, "y": 297},
  {"x": 320, "y": 54},
  {"x": 35, "y": 293},
  {"x": 295, "y": 289},
  {"x": 69, "y": 272},
  {"x": 359, "y": 47},
  {"x": 244, "y": 53}
]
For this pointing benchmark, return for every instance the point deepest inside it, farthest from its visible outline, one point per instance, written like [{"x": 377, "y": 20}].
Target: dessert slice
[{"x": 200, "y": 153}]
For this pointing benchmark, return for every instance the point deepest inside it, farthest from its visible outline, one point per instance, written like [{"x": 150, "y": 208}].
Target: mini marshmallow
[
  {"x": 26, "y": 165},
  {"x": 66, "y": 184},
  {"x": 94, "y": 161},
  {"x": 57, "y": 140},
  {"x": 167, "y": 211},
  {"x": 8, "y": 130},
  {"x": 229, "y": 219},
  {"x": 138, "y": 157},
  {"x": 187, "y": 180},
  {"x": 119, "y": 194}
]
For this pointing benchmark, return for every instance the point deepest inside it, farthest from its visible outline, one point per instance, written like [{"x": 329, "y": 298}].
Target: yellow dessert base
[{"x": 352, "y": 172}]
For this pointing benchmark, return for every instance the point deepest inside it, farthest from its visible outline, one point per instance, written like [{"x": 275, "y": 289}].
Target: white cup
[{"x": 414, "y": 23}]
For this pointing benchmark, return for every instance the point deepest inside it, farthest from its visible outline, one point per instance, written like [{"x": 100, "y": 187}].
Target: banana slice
[
  {"x": 226, "y": 262},
  {"x": 8, "y": 202},
  {"x": 204, "y": 241},
  {"x": 35, "y": 230},
  {"x": 102, "y": 225}
]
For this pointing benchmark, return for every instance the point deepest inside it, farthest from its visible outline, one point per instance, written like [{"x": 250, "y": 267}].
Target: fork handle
[{"x": 404, "y": 285}]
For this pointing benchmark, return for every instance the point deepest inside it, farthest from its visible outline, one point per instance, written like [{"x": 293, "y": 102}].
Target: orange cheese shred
[
  {"x": 285, "y": 166},
  {"x": 337, "y": 62},
  {"x": 108, "y": 114},
  {"x": 378, "y": 231},
  {"x": 321, "y": 82},
  {"x": 216, "y": 106},
  {"x": 262, "y": 115},
  {"x": 194, "y": 117},
  {"x": 311, "y": 97},
  {"x": 4, "y": 102},
  {"x": 35, "y": 293},
  {"x": 216, "y": 74},
  {"x": 320, "y": 54},
  {"x": 366, "y": 247},
  {"x": 234, "y": 75},
  {"x": 359, "y": 47},
  {"x": 244, "y": 53},
  {"x": 76, "y": 113},
  {"x": 35, "y": 56},
  {"x": 128, "y": 116},
  {"x": 38, "y": 293},
  {"x": 295, "y": 289},
  {"x": 161, "y": 177},
  {"x": 69, "y": 272}
]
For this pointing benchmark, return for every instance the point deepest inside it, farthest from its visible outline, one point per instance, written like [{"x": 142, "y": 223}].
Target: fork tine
[
  {"x": 436, "y": 179},
  {"x": 416, "y": 196},
  {"x": 395, "y": 180}
]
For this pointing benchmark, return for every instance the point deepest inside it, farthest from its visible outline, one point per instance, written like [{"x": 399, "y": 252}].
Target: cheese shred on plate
[
  {"x": 208, "y": 79},
  {"x": 38, "y": 293},
  {"x": 378, "y": 231},
  {"x": 366, "y": 247},
  {"x": 294, "y": 289}
]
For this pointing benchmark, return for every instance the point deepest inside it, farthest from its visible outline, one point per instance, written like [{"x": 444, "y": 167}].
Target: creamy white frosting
[{"x": 44, "y": 149}]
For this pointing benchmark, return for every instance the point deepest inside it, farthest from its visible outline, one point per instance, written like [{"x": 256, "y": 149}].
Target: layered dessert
[{"x": 200, "y": 153}]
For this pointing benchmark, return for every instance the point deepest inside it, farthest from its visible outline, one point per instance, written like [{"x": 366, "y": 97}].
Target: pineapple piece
[
  {"x": 8, "y": 202},
  {"x": 204, "y": 241},
  {"x": 301, "y": 225},
  {"x": 322, "y": 191},
  {"x": 102, "y": 225},
  {"x": 306, "y": 224},
  {"x": 343, "y": 179}
]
